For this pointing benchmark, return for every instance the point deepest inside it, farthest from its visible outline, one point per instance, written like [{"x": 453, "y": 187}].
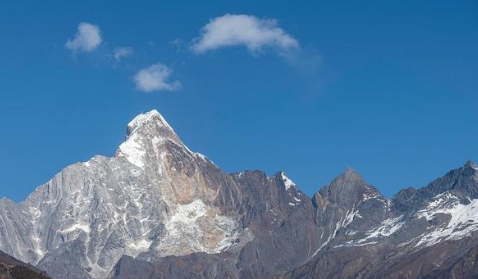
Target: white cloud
[
  {"x": 250, "y": 31},
  {"x": 154, "y": 78},
  {"x": 87, "y": 38},
  {"x": 122, "y": 52}
]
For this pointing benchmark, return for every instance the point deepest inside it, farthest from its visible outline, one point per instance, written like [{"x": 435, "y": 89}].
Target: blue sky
[{"x": 389, "y": 88}]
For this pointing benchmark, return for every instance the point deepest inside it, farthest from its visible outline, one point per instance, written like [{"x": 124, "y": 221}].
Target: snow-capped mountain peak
[
  {"x": 158, "y": 206},
  {"x": 151, "y": 199},
  {"x": 149, "y": 135},
  {"x": 148, "y": 118}
]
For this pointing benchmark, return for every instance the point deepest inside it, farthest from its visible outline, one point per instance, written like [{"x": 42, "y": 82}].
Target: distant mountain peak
[
  {"x": 151, "y": 123},
  {"x": 348, "y": 188},
  {"x": 152, "y": 116},
  {"x": 471, "y": 164},
  {"x": 349, "y": 175},
  {"x": 145, "y": 134},
  {"x": 463, "y": 182}
]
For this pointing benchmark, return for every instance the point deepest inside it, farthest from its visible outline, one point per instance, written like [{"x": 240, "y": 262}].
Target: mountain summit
[
  {"x": 158, "y": 210},
  {"x": 348, "y": 189},
  {"x": 145, "y": 134},
  {"x": 152, "y": 123}
]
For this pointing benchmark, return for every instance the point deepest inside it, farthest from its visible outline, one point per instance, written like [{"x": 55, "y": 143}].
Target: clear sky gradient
[{"x": 389, "y": 88}]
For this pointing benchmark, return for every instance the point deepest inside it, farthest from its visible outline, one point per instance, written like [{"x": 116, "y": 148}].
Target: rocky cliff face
[{"x": 158, "y": 210}]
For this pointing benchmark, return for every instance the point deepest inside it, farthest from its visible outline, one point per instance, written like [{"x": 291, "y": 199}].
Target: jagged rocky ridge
[{"x": 158, "y": 210}]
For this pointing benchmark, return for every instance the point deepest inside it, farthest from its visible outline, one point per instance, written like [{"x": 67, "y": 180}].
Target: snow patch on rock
[
  {"x": 287, "y": 182},
  {"x": 133, "y": 151},
  {"x": 462, "y": 219},
  {"x": 196, "y": 227},
  {"x": 133, "y": 249},
  {"x": 386, "y": 228}
]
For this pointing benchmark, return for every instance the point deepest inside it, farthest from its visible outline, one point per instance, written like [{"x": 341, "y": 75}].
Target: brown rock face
[{"x": 11, "y": 268}]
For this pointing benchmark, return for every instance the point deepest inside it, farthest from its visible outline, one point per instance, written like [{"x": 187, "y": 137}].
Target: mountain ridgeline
[{"x": 159, "y": 210}]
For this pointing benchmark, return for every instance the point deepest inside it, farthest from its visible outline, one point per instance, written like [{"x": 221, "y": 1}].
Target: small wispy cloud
[
  {"x": 122, "y": 52},
  {"x": 247, "y": 30},
  {"x": 155, "y": 78},
  {"x": 177, "y": 44},
  {"x": 87, "y": 38}
]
